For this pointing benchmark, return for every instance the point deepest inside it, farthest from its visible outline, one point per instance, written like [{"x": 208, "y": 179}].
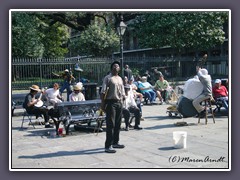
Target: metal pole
[
  {"x": 121, "y": 55},
  {"x": 40, "y": 62}
]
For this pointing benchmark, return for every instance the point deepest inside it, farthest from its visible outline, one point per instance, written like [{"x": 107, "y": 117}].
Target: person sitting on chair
[
  {"x": 130, "y": 106},
  {"x": 147, "y": 90},
  {"x": 76, "y": 95},
  {"x": 53, "y": 94},
  {"x": 161, "y": 87},
  {"x": 134, "y": 90},
  {"x": 205, "y": 79},
  {"x": 30, "y": 103},
  {"x": 220, "y": 93}
]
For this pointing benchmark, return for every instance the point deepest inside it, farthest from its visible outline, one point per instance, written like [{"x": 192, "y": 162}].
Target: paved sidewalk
[{"x": 150, "y": 148}]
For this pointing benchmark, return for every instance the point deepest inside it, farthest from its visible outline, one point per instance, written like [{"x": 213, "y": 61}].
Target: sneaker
[
  {"x": 119, "y": 146},
  {"x": 141, "y": 119},
  {"x": 110, "y": 150},
  {"x": 137, "y": 127},
  {"x": 48, "y": 126},
  {"x": 126, "y": 129}
]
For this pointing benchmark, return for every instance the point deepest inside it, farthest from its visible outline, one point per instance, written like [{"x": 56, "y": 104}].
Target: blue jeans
[
  {"x": 224, "y": 101},
  {"x": 151, "y": 95},
  {"x": 66, "y": 85}
]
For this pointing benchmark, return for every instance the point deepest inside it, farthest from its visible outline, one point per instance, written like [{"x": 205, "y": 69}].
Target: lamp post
[
  {"x": 172, "y": 68},
  {"x": 121, "y": 30}
]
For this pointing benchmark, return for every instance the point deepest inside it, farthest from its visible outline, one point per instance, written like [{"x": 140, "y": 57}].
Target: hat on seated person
[
  {"x": 204, "y": 71},
  {"x": 35, "y": 88},
  {"x": 66, "y": 70},
  {"x": 217, "y": 81},
  {"x": 77, "y": 88}
]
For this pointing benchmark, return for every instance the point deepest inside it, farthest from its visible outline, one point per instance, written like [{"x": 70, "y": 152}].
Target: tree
[
  {"x": 26, "y": 39},
  {"x": 35, "y": 38},
  {"x": 55, "y": 40},
  {"x": 95, "y": 40},
  {"x": 47, "y": 34},
  {"x": 181, "y": 30}
]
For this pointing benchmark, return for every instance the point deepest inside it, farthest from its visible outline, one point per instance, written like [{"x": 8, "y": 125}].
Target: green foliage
[
  {"x": 180, "y": 30},
  {"x": 57, "y": 35},
  {"x": 96, "y": 40},
  {"x": 26, "y": 39},
  {"x": 36, "y": 38}
]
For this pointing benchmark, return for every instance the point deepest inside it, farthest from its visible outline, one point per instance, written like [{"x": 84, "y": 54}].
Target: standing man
[
  {"x": 112, "y": 96},
  {"x": 127, "y": 72}
]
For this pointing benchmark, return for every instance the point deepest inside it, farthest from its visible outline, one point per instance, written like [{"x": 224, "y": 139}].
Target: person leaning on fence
[
  {"x": 68, "y": 77},
  {"x": 30, "y": 102},
  {"x": 206, "y": 81},
  {"x": 112, "y": 96},
  {"x": 130, "y": 106},
  {"x": 76, "y": 95},
  {"x": 53, "y": 94}
]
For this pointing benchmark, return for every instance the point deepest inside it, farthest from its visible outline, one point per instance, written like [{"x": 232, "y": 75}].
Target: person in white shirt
[
  {"x": 76, "y": 95},
  {"x": 192, "y": 88},
  {"x": 206, "y": 81},
  {"x": 130, "y": 106},
  {"x": 134, "y": 90},
  {"x": 53, "y": 94}
]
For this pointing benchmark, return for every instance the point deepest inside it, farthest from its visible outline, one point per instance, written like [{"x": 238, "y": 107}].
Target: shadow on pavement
[
  {"x": 167, "y": 148},
  {"x": 64, "y": 153}
]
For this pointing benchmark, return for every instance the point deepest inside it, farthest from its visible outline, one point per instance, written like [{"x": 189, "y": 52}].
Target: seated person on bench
[
  {"x": 53, "y": 94},
  {"x": 220, "y": 93},
  {"x": 76, "y": 95},
  {"x": 130, "y": 106},
  {"x": 31, "y": 105}
]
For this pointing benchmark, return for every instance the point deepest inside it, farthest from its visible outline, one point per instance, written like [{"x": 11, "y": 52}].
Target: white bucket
[{"x": 180, "y": 139}]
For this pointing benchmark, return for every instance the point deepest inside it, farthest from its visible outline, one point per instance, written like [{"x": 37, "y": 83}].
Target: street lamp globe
[{"x": 121, "y": 28}]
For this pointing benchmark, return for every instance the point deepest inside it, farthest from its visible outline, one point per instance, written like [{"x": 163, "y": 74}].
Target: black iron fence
[
  {"x": 26, "y": 72},
  {"x": 42, "y": 72}
]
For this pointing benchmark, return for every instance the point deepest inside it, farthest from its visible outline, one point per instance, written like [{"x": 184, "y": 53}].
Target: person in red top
[{"x": 220, "y": 93}]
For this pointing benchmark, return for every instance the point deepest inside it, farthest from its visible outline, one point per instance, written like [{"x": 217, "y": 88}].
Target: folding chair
[{"x": 28, "y": 117}]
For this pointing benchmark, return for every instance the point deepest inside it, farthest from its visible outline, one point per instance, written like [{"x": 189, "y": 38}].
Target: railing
[{"x": 26, "y": 72}]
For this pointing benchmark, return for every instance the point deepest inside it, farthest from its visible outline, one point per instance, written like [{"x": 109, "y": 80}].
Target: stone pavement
[{"x": 149, "y": 149}]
